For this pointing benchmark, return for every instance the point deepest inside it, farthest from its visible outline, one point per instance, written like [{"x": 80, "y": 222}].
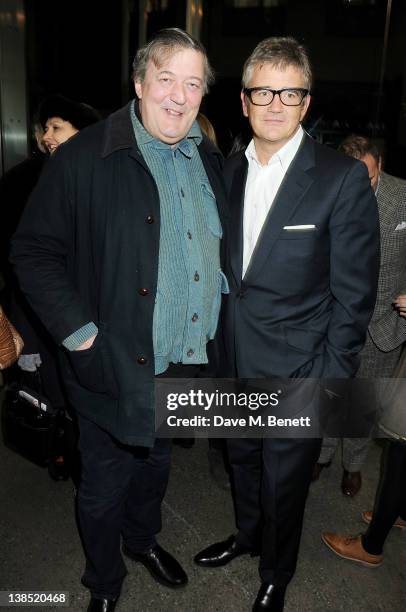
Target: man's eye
[
  {"x": 194, "y": 85},
  {"x": 262, "y": 93},
  {"x": 165, "y": 80}
]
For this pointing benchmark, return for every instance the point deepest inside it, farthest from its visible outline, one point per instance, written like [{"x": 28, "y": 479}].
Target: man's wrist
[{"x": 80, "y": 336}]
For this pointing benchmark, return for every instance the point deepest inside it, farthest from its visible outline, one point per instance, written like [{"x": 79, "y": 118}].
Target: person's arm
[
  {"x": 354, "y": 268},
  {"x": 43, "y": 247}
]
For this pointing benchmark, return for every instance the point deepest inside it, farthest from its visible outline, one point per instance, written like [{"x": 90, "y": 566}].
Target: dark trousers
[
  {"x": 120, "y": 494},
  {"x": 271, "y": 481},
  {"x": 390, "y": 499}
]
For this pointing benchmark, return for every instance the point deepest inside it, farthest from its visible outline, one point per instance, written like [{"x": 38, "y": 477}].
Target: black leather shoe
[
  {"x": 351, "y": 483},
  {"x": 270, "y": 597},
  {"x": 101, "y": 605},
  {"x": 220, "y": 553},
  {"x": 161, "y": 565}
]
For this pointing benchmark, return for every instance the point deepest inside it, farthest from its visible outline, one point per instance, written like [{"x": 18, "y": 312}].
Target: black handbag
[{"x": 30, "y": 424}]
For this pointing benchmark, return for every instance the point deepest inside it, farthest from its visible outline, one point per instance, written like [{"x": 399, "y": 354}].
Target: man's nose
[
  {"x": 178, "y": 94},
  {"x": 276, "y": 104}
]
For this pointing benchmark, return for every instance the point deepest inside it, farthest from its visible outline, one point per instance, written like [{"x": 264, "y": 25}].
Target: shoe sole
[
  {"x": 365, "y": 563},
  {"x": 165, "y": 583},
  {"x": 396, "y": 525}
]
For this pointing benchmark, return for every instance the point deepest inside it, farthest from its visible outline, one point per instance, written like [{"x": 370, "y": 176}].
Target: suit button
[
  {"x": 195, "y": 317},
  {"x": 150, "y": 219},
  {"x": 142, "y": 360},
  {"x": 143, "y": 291},
  {"x": 241, "y": 293},
  {"x": 190, "y": 353},
  {"x": 196, "y": 277}
]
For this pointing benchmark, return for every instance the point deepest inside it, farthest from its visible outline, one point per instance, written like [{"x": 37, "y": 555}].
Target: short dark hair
[
  {"x": 80, "y": 115},
  {"x": 164, "y": 44},
  {"x": 358, "y": 146},
  {"x": 281, "y": 52}
]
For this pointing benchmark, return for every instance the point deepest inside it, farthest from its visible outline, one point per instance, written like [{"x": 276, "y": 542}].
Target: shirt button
[
  {"x": 190, "y": 352},
  {"x": 142, "y": 360},
  {"x": 196, "y": 277},
  {"x": 189, "y": 235},
  {"x": 195, "y": 317},
  {"x": 143, "y": 291},
  {"x": 150, "y": 219}
]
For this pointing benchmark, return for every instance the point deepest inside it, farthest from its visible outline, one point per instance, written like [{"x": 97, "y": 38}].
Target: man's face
[
  {"x": 170, "y": 95},
  {"x": 275, "y": 124},
  {"x": 374, "y": 169}
]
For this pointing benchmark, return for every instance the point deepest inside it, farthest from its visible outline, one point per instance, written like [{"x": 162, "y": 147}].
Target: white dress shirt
[{"x": 261, "y": 188}]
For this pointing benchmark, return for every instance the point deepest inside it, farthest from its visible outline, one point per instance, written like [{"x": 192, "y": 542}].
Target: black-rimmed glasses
[{"x": 262, "y": 96}]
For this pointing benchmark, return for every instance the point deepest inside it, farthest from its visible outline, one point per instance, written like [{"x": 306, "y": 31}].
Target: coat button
[
  {"x": 195, "y": 317},
  {"x": 190, "y": 353},
  {"x": 143, "y": 291},
  {"x": 196, "y": 277},
  {"x": 149, "y": 219},
  {"x": 142, "y": 360},
  {"x": 189, "y": 234},
  {"x": 241, "y": 293}
]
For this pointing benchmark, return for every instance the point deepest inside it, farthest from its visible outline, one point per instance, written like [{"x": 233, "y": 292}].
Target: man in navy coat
[
  {"x": 302, "y": 264},
  {"x": 118, "y": 252}
]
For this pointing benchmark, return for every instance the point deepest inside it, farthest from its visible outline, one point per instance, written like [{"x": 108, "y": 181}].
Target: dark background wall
[{"x": 78, "y": 50}]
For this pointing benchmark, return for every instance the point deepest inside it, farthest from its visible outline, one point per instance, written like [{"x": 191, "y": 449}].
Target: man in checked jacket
[{"x": 387, "y": 330}]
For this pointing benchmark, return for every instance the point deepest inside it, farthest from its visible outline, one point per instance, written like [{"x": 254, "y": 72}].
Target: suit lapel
[
  {"x": 235, "y": 230},
  {"x": 289, "y": 197}
]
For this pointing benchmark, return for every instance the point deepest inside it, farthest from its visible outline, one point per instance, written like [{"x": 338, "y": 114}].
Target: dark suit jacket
[{"x": 303, "y": 307}]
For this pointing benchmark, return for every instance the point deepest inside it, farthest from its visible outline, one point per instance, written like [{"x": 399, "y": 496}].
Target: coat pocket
[{"x": 92, "y": 366}]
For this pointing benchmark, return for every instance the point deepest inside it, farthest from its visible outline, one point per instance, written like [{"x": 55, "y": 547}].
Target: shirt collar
[
  {"x": 145, "y": 138},
  {"x": 377, "y": 186},
  {"x": 285, "y": 154}
]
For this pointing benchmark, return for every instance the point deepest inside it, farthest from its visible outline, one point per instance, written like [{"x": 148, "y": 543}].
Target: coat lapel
[
  {"x": 235, "y": 229},
  {"x": 289, "y": 197}
]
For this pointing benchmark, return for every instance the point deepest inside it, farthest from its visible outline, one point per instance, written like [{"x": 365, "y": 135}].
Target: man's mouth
[{"x": 173, "y": 113}]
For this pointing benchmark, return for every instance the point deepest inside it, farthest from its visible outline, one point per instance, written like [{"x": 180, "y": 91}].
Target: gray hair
[
  {"x": 165, "y": 43},
  {"x": 280, "y": 52}
]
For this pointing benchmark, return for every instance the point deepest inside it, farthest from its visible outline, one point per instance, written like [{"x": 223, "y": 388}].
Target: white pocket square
[
  {"x": 401, "y": 226},
  {"x": 299, "y": 227}
]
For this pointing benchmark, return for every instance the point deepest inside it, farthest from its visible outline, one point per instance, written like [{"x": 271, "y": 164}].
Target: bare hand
[
  {"x": 400, "y": 304},
  {"x": 87, "y": 344}
]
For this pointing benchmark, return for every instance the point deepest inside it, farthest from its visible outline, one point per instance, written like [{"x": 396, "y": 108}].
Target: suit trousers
[
  {"x": 271, "y": 480},
  {"x": 390, "y": 499}
]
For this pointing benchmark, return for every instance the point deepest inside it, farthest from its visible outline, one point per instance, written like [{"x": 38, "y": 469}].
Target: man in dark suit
[
  {"x": 302, "y": 265},
  {"x": 387, "y": 330}
]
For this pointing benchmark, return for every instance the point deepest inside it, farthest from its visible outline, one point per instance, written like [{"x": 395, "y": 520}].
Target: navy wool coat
[{"x": 87, "y": 250}]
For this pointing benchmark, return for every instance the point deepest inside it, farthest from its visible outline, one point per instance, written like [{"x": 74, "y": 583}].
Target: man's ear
[
  {"x": 138, "y": 89},
  {"x": 244, "y": 104}
]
